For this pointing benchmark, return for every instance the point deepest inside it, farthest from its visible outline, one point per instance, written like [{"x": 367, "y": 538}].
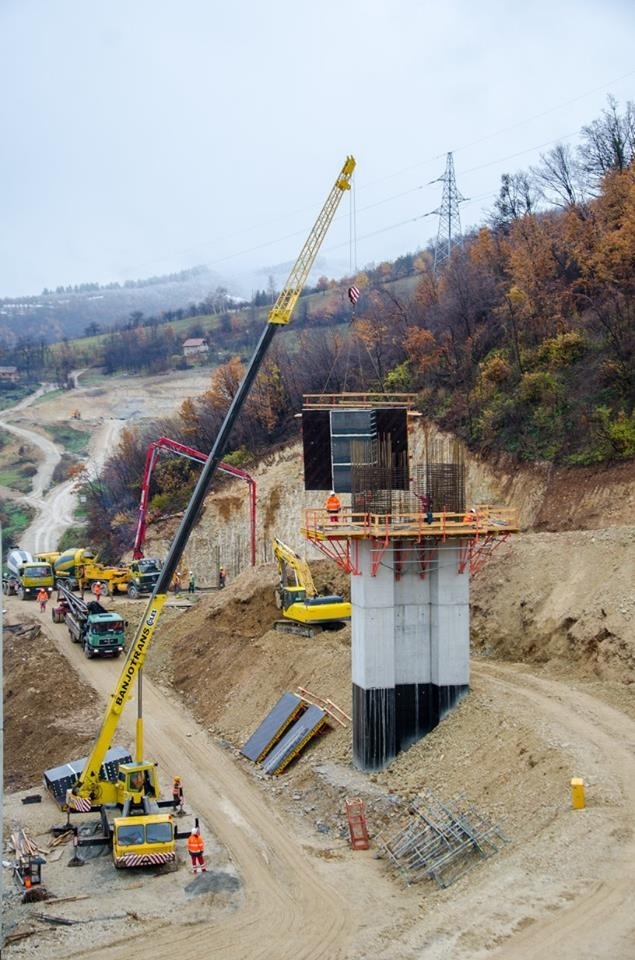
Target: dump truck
[
  {"x": 24, "y": 576},
  {"x": 101, "y": 632}
]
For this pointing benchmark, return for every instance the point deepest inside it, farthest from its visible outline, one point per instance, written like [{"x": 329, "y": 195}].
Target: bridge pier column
[{"x": 410, "y": 648}]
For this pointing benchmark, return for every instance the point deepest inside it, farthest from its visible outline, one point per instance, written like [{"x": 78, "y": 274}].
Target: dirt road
[
  {"x": 288, "y": 910},
  {"x": 107, "y": 415}
]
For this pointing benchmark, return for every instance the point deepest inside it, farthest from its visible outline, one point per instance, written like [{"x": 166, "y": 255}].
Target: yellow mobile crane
[
  {"x": 134, "y": 786},
  {"x": 305, "y": 610}
]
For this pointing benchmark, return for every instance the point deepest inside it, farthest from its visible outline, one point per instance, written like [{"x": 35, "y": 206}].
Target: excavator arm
[
  {"x": 87, "y": 785},
  {"x": 287, "y": 559}
]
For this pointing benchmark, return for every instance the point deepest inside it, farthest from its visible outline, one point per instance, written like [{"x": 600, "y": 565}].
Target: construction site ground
[{"x": 551, "y": 698}]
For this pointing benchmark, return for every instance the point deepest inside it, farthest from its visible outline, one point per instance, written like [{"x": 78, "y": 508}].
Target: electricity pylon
[{"x": 449, "y": 232}]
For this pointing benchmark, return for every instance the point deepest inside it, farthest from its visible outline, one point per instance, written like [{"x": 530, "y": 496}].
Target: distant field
[
  {"x": 72, "y": 439},
  {"x": 18, "y": 463}
]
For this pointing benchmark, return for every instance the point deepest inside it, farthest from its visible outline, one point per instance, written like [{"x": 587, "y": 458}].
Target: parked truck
[
  {"x": 79, "y": 567},
  {"x": 101, "y": 632},
  {"x": 24, "y": 576}
]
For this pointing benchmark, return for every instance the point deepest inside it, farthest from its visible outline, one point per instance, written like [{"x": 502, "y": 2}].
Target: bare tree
[
  {"x": 559, "y": 177},
  {"x": 516, "y": 199},
  {"x": 609, "y": 142}
]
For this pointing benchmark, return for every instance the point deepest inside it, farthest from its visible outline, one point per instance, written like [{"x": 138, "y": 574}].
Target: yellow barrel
[{"x": 577, "y": 794}]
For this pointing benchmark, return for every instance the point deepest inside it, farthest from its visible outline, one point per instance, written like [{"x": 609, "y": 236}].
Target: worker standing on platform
[
  {"x": 195, "y": 848},
  {"x": 470, "y": 516},
  {"x": 333, "y": 506}
]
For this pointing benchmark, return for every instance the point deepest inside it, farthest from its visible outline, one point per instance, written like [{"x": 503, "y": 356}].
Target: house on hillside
[
  {"x": 9, "y": 374},
  {"x": 195, "y": 345}
]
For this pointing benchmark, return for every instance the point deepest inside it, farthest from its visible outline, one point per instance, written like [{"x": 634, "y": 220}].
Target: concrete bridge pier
[{"x": 410, "y": 647}]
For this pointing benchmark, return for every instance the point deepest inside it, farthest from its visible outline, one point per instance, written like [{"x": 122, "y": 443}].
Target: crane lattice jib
[{"x": 285, "y": 304}]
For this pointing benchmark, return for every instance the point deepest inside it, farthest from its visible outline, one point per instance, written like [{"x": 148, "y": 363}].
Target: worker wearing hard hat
[
  {"x": 195, "y": 848},
  {"x": 471, "y": 516},
  {"x": 333, "y": 506},
  {"x": 177, "y": 795},
  {"x": 98, "y": 589}
]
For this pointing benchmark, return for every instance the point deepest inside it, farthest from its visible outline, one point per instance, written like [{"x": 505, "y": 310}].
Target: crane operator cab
[{"x": 136, "y": 781}]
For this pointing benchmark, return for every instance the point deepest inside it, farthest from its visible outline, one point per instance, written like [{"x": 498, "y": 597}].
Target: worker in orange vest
[
  {"x": 177, "y": 795},
  {"x": 470, "y": 516},
  {"x": 195, "y": 848},
  {"x": 42, "y": 596},
  {"x": 333, "y": 506},
  {"x": 98, "y": 590}
]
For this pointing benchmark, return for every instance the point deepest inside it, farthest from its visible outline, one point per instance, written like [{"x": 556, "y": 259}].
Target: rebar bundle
[{"x": 440, "y": 843}]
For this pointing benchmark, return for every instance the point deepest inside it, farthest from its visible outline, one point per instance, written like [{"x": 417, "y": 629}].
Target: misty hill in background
[{"x": 69, "y": 312}]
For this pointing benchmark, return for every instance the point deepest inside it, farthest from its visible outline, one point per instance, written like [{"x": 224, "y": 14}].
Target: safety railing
[{"x": 483, "y": 520}]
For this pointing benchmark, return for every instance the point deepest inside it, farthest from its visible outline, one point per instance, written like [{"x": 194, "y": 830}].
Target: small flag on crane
[{"x": 353, "y": 294}]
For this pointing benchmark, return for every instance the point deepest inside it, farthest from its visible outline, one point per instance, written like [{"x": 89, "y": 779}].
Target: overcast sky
[{"x": 140, "y": 137}]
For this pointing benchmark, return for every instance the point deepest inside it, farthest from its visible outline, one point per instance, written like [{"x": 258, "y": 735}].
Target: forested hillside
[{"x": 522, "y": 341}]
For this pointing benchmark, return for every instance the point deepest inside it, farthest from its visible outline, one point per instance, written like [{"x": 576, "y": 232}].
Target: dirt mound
[{"x": 49, "y": 715}]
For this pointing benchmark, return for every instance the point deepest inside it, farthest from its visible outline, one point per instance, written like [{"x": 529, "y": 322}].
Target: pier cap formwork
[{"x": 410, "y": 543}]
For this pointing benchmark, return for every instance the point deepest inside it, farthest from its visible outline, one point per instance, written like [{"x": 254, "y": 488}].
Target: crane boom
[{"x": 88, "y": 784}]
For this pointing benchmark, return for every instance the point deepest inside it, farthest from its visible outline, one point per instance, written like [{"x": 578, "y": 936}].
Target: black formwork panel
[
  {"x": 350, "y": 429},
  {"x": 311, "y": 721},
  {"x": 59, "y": 779},
  {"x": 316, "y": 445},
  {"x": 277, "y": 721},
  {"x": 333, "y": 438}
]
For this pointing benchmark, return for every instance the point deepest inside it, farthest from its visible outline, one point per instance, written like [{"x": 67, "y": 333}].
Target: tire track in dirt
[{"x": 600, "y": 922}]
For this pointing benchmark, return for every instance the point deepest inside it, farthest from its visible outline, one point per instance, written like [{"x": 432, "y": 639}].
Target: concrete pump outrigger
[{"x": 133, "y": 787}]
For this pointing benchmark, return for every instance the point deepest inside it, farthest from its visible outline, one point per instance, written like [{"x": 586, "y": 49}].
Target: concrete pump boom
[
  {"x": 164, "y": 443},
  {"x": 88, "y": 783}
]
